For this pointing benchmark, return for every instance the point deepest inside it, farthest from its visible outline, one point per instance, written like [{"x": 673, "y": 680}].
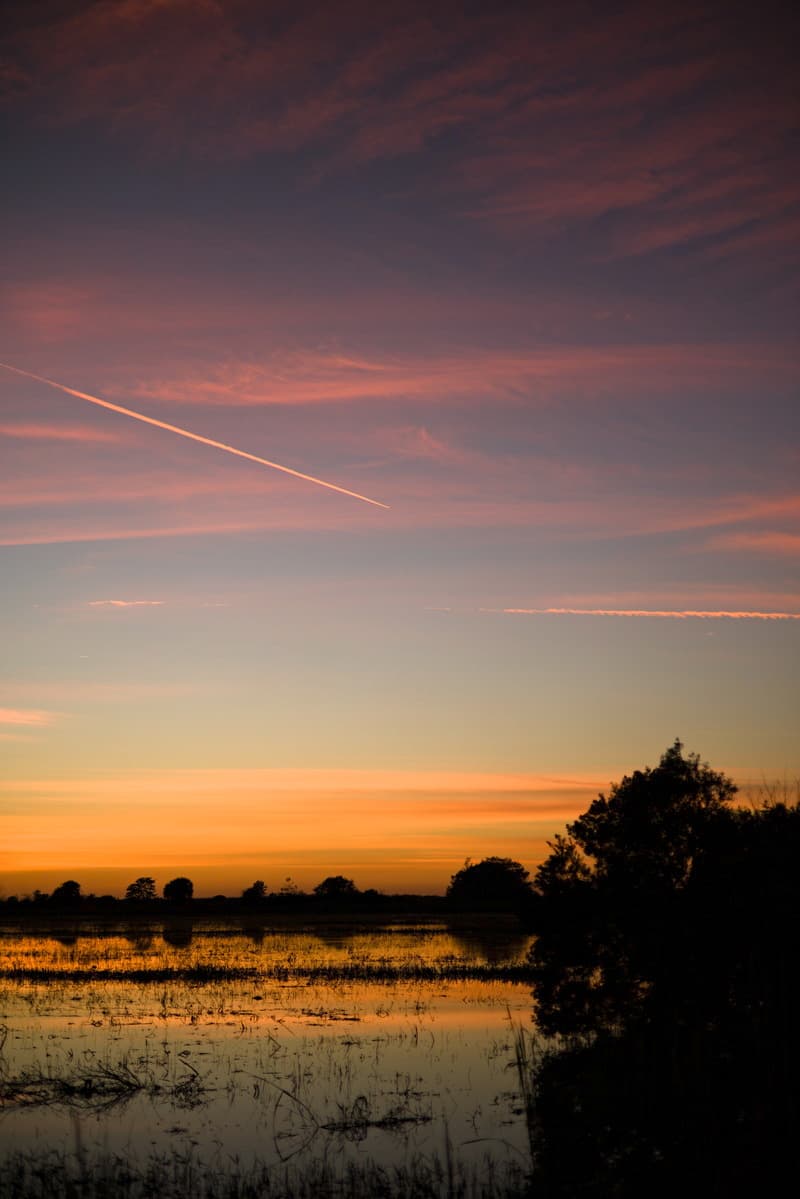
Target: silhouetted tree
[
  {"x": 667, "y": 952},
  {"x": 142, "y": 890},
  {"x": 493, "y": 885},
  {"x": 179, "y": 890},
  {"x": 67, "y": 894},
  {"x": 604, "y": 897},
  {"x": 256, "y": 894},
  {"x": 336, "y": 887}
]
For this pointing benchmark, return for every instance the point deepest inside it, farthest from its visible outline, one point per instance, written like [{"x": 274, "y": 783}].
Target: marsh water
[{"x": 232, "y": 1046}]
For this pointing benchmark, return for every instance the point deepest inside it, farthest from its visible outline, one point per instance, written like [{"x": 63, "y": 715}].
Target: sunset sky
[{"x": 525, "y": 274}]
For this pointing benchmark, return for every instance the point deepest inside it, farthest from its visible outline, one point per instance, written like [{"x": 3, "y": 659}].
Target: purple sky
[{"x": 526, "y": 274}]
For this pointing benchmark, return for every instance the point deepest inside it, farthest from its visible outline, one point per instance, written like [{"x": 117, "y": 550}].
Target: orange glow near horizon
[
  {"x": 391, "y": 830},
  {"x": 405, "y": 830}
]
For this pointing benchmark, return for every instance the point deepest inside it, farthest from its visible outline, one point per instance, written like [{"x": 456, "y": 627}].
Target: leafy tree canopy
[
  {"x": 67, "y": 893},
  {"x": 141, "y": 890},
  {"x": 179, "y": 890},
  {"x": 336, "y": 886},
  {"x": 255, "y": 893},
  {"x": 608, "y": 895},
  {"x": 651, "y": 828},
  {"x": 666, "y": 954},
  {"x": 495, "y": 884}
]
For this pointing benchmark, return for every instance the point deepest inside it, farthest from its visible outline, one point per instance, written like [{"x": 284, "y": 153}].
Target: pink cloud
[
  {"x": 118, "y": 603},
  {"x": 700, "y": 596},
  {"x": 32, "y": 717},
  {"x": 466, "y": 489},
  {"x": 313, "y": 378},
  {"x": 82, "y": 433},
  {"x": 54, "y": 311},
  {"x": 662, "y": 615},
  {"x": 193, "y": 436},
  {"x": 781, "y": 544},
  {"x": 665, "y": 98}
]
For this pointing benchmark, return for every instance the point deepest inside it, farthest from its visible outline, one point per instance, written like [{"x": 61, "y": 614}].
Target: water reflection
[
  {"x": 258, "y": 1058},
  {"x": 67, "y": 939},
  {"x": 488, "y": 946},
  {"x": 140, "y": 940},
  {"x": 178, "y": 934}
]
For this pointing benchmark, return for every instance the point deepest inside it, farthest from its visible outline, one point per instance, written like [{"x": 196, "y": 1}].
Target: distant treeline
[
  {"x": 79, "y": 906},
  {"x": 493, "y": 885}
]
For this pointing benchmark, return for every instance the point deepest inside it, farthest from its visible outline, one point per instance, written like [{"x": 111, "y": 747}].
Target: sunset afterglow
[{"x": 399, "y": 429}]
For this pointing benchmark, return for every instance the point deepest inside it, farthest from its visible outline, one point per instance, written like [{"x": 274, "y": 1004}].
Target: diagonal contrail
[{"x": 217, "y": 445}]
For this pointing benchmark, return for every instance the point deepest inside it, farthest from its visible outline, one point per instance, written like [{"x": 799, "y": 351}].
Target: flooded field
[{"x": 205, "y": 1060}]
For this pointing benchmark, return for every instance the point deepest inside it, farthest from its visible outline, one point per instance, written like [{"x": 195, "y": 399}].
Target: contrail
[
  {"x": 686, "y": 614},
  {"x": 217, "y": 445}
]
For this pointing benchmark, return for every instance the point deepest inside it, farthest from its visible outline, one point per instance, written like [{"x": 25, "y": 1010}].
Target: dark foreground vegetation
[
  {"x": 167, "y": 1176},
  {"x": 69, "y": 902},
  {"x": 664, "y": 972},
  {"x": 666, "y": 958},
  {"x": 495, "y": 885}
]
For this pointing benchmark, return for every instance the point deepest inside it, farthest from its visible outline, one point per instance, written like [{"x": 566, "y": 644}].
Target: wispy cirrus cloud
[
  {"x": 153, "y": 422},
  {"x": 636, "y": 113},
  {"x": 121, "y": 603},
  {"x": 37, "y": 718},
  {"x": 662, "y": 614},
  {"x": 185, "y": 783},
  {"x": 519, "y": 374},
  {"x": 80, "y": 690},
  {"x": 451, "y": 487},
  {"x": 676, "y": 130},
  {"x": 79, "y": 433},
  {"x": 288, "y": 813},
  {"x": 781, "y": 544}
]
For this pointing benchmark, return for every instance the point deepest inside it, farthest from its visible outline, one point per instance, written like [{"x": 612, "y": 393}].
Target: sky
[{"x": 525, "y": 274}]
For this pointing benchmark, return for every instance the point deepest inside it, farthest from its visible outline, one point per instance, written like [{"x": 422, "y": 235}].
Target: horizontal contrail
[
  {"x": 217, "y": 445},
  {"x": 687, "y": 614},
  {"x": 126, "y": 603}
]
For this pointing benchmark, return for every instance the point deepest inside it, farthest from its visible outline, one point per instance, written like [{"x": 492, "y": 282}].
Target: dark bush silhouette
[
  {"x": 67, "y": 894},
  {"x": 141, "y": 891},
  {"x": 612, "y": 888},
  {"x": 254, "y": 895},
  {"x": 666, "y": 953},
  {"x": 493, "y": 885},
  {"x": 179, "y": 890},
  {"x": 336, "y": 888}
]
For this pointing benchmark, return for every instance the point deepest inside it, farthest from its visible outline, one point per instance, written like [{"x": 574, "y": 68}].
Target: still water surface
[{"x": 268, "y": 1065}]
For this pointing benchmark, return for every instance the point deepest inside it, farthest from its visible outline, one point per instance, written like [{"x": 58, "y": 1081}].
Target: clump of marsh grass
[
  {"x": 357, "y": 1119},
  {"x": 354, "y": 1122},
  {"x": 98, "y": 1086},
  {"x": 374, "y": 972},
  {"x": 147, "y": 974},
  {"x": 57, "y": 1175},
  {"x": 528, "y": 1056}
]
